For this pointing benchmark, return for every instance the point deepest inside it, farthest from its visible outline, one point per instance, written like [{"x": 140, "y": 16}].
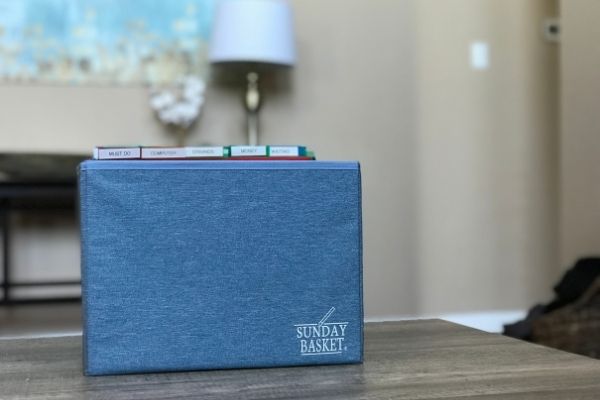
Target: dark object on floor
[
  {"x": 575, "y": 282},
  {"x": 571, "y": 322},
  {"x": 574, "y": 327},
  {"x": 522, "y": 329}
]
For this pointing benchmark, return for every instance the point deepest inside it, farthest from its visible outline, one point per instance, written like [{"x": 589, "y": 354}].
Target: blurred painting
[{"x": 103, "y": 41}]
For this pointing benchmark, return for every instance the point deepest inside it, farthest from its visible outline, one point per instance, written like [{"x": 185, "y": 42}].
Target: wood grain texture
[{"x": 423, "y": 359}]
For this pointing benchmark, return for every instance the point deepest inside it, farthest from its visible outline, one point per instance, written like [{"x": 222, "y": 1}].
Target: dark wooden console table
[
  {"x": 34, "y": 183},
  {"x": 427, "y": 359}
]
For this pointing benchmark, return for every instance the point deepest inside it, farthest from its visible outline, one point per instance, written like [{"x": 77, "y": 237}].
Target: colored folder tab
[{"x": 191, "y": 265}]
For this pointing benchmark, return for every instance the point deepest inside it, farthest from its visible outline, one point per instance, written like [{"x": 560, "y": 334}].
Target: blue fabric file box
[{"x": 191, "y": 265}]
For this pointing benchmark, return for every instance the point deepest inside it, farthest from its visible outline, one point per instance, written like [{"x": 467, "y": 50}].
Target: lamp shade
[{"x": 258, "y": 31}]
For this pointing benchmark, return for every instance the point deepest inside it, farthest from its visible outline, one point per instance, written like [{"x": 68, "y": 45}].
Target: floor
[{"x": 36, "y": 320}]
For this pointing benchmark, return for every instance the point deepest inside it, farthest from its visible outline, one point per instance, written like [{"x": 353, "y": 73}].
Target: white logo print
[{"x": 323, "y": 337}]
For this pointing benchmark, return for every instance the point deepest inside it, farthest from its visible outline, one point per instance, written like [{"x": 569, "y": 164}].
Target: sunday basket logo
[{"x": 323, "y": 337}]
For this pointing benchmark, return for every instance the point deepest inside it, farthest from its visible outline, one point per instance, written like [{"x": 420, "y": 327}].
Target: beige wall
[
  {"x": 580, "y": 129},
  {"x": 486, "y": 155},
  {"x": 458, "y": 165}
]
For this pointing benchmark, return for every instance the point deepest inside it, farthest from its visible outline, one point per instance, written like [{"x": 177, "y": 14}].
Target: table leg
[{"x": 5, "y": 230}]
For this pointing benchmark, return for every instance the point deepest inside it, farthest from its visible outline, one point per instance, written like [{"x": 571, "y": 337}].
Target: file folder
[{"x": 194, "y": 265}]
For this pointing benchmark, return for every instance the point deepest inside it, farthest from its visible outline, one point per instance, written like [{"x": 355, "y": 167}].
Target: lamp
[{"x": 253, "y": 33}]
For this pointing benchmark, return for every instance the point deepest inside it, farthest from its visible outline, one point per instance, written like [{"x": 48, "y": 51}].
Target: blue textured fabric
[{"x": 229, "y": 264}]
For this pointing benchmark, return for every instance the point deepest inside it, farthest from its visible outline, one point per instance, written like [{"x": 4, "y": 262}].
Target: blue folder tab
[{"x": 191, "y": 265}]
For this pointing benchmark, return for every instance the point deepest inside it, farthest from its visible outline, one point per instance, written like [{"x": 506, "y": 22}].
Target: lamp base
[{"x": 252, "y": 103}]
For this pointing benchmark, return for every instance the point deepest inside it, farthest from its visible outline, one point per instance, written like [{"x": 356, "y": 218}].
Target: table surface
[{"x": 421, "y": 359}]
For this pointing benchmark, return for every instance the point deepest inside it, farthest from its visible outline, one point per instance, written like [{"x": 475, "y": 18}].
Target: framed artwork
[{"x": 103, "y": 42}]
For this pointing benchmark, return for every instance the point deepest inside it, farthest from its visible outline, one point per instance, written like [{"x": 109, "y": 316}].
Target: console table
[
  {"x": 34, "y": 183},
  {"x": 422, "y": 359}
]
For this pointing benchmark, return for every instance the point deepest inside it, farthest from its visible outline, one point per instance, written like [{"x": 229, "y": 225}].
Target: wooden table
[{"x": 404, "y": 360}]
